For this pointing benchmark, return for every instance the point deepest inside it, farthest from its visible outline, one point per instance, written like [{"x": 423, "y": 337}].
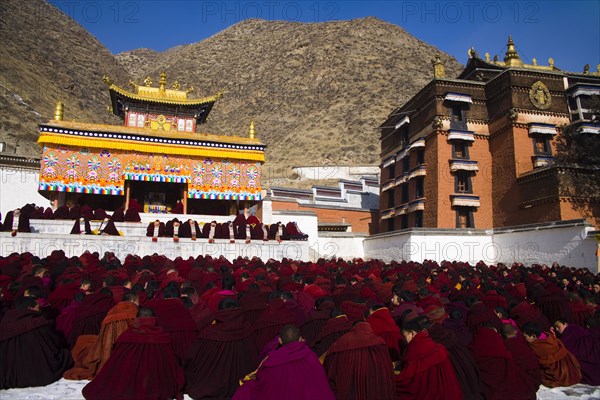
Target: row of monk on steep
[{"x": 232, "y": 230}]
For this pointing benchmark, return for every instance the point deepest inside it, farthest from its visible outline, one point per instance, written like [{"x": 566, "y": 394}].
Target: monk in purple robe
[
  {"x": 584, "y": 346},
  {"x": 290, "y": 371},
  {"x": 142, "y": 365}
]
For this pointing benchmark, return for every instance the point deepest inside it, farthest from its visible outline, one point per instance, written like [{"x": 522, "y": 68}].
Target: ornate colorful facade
[{"x": 158, "y": 143}]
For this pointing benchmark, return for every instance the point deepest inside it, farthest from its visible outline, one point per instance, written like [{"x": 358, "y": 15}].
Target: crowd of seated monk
[{"x": 152, "y": 327}]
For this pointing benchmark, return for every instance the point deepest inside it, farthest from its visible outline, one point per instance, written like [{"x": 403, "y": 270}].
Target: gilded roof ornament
[
  {"x": 148, "y": 81},
  {"x": 511, "y": 58},
  {"x": 59, "y": 111},
  {"x": 189, "y": 90},
  {"x": 176, "y": 85},
  {"x": 439, "y": 69},
  {"x": 252, "y": 130},
  {"x": 162, "y": 83},
  {"x": 133, "y": 84},
  {"x": 107, "y": 80},
  {"x": 487, "y": 57}
]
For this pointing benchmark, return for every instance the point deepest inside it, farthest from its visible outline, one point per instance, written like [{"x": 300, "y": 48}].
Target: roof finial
[
  {"x": 252, "y": 130},
  {"x": 58, "y": 111},
  {"x": 162, "y": 83},
  {"x": 512, "y": 59},
  {"x": 439, "y": 69}
]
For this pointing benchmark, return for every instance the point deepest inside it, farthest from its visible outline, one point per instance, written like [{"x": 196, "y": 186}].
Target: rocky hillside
[
  {"x": 46, "y": 56},
  {"x": 317, "y": 91}
]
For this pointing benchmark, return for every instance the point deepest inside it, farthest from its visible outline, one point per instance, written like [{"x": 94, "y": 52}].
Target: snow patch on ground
[{"x": 71, "y": 390}]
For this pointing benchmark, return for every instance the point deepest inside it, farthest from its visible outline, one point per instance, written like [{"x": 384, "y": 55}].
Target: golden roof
[{"x": 159, "y": 94}]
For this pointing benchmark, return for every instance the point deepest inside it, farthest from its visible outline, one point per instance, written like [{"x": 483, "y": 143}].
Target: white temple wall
[
  {"x": 566, "y": 243},
  {"x": 320, "y": 172},
  {"x": 43, "y": 245},
  {"x": 18, "y": 186}
]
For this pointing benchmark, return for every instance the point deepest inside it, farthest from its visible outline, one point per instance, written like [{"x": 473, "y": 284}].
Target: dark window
[
  {"x": 462, "y": 182},
  {"x": 404, "y": 193},
  {"x": 464, "y": 217},
  {"x": 390, "y": 224},
  {"x": 405, "y": 164},
  {"x": 420, "y": 156},
  {"x": 457, "y": 117},
  {"x": 420, "y": 184},
  {"x": 404, "y": 221},
  {"x": 391, "y": 171},
  {"x": 460, "y": 149},
  {"x": 419, "y": 219},
  {"x": 404, "y": 137},
  {"x": 390, "y": 198},
  {"x": 541, "y": 145}
]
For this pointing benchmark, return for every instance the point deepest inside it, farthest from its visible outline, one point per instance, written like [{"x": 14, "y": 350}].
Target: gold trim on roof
[
  {"x": 160, "y": 94},
  {"x": 154, "y": 148},
  {"x": 512, "y": 59},
  {"x": 86, "y": 126}
]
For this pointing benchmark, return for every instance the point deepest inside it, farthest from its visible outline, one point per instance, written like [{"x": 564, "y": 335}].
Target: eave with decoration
[{"x": 157, "y": 157}]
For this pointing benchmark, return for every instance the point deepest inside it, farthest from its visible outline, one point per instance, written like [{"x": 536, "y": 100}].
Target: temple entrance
[{"x": 159, "y": 197}]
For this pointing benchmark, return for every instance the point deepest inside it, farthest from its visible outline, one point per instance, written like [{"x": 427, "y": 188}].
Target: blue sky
[{"x": 568, "y": 31}]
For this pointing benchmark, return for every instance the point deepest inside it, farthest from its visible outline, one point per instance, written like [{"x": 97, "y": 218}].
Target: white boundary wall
[
  {"x": 43, "y": 245},
  {"x": 18, "y": 186},
  {"x": 567, "y": 243}
]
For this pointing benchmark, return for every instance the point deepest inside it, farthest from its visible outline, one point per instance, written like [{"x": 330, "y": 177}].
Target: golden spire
[
  {"x": 512, "y": 59},
  {"x": 252, "y": 130},
  {"x": 58, "y": 111},
  {"x": 162, "y": 83},
  {"x": 439, "y": 69}
]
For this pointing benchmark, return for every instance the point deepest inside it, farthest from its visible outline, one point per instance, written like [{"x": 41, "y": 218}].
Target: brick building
[{"x": 477, "y": 151}]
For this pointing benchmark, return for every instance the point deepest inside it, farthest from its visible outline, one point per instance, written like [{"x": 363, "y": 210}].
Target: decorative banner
[{"x": 97, "y": 171}]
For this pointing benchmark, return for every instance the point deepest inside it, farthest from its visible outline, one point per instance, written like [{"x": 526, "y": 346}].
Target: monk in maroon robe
[
  {"x": 584, "y": 346},
  {"x": 142, "y": 365},
  {"x": 223, "y": 354},
  {"x": 89, "y": 316},
  {"x": 107, "y": 228},
  {"x": 501, "y": 376},
  {"x": 559, "y": 366},
  {"x": 32, "y": 353},
  {"x": 156, "y": 229},
  {"x": 384, "y": 325},
  {"x": 427, "y": 371},
  {"x": 132, "y": 215},
  {"x": 290, "y": 371},
  {"x": 174, "y": 318},
  {"x": 92, "y": 351},
  {"x": 524, "y": 357},
  {"x": 118, "y": 215},
  {"x": 81, "y": 227},
  {"x": 462, "y": 360},
  {"x": 190, "y": 230},
  {"x": 334, "y": 328},
  {"x": 317, "y": 319},
  {"x": 279, "y": 313},
  {"x": 61, "y": 212},
  {"x": 359, "y": 366}
]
